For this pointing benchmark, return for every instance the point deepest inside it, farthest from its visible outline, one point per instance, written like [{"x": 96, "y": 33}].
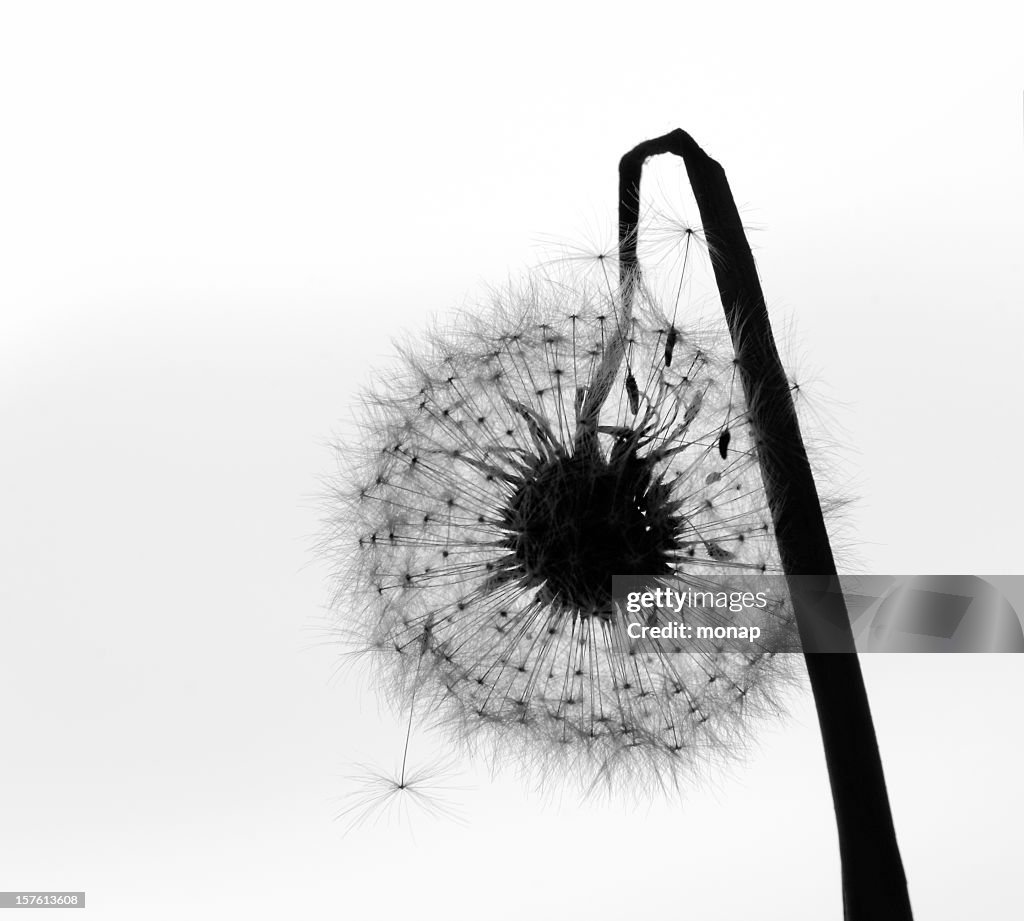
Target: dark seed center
[{"x": 579, "y": 520}]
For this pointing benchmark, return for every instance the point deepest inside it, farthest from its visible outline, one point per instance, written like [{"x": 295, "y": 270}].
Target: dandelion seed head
[{"x": 502, "y": 475}]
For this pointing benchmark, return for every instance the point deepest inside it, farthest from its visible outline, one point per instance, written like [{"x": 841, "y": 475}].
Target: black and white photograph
[{"x": 526, "y": 461}]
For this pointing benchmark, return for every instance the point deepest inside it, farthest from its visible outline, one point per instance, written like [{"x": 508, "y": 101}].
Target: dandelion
[
  {"x": 506, "y": 475},
  {"x": 570, "y": 430},
  {"x": 577, "y": 428}
]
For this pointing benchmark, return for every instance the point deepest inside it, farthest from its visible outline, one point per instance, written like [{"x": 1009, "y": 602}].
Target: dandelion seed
[
  {"x": 670, "y": 345},
  {"x": 633, "y": 393},
  {"x": 381, "y": 796}
]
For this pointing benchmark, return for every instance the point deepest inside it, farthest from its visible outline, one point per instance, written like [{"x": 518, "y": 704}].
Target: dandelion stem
[{"x": 874, "y": 883}]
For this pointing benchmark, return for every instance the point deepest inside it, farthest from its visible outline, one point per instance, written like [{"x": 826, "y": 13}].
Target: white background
[{"x": 213, "y": 219}]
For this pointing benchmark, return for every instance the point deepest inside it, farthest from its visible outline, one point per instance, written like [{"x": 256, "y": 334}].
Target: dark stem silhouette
[{"x": 874, "y": 884}]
